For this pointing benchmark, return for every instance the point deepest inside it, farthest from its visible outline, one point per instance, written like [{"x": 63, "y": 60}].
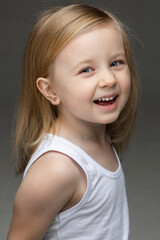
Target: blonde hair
[{"x": 52, "y": 31}]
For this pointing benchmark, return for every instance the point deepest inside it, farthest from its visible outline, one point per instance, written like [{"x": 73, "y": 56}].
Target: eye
[
  {"x": 116, "y": 63},
  {"x": 86, "y": 70}
]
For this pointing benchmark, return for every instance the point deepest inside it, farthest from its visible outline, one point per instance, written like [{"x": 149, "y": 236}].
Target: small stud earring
[{"x": 54, "y": 99}]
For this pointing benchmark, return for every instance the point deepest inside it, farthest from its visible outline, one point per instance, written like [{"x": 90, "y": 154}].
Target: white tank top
[{"x": 102, "y": 213}]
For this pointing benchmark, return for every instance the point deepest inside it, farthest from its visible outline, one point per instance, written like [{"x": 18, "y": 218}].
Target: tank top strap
[{"x": 52, "y": 142}]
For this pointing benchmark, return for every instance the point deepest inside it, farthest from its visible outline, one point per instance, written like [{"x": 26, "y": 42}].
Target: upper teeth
[{"x": 105, "y": 99}]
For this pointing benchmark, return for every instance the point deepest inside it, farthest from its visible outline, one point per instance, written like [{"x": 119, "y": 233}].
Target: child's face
[{"x": 91, "y": 76}]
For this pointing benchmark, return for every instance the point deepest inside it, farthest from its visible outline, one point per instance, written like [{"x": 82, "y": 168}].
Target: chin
[{"x": 111, "y": 119}]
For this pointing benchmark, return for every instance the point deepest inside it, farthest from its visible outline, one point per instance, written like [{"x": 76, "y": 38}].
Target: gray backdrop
[{"x": 142, "y": 160}]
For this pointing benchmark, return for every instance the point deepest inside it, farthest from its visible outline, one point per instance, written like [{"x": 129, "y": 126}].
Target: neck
[{"x": 80, "y": 132}]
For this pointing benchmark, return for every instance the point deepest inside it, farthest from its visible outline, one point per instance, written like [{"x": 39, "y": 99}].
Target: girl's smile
[
  {"x": 90, "y": 76},
  {"x": 107, "y": 103}
]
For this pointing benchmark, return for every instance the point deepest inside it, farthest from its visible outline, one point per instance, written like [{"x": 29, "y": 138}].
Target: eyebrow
[{"x": 120, "y": 54}]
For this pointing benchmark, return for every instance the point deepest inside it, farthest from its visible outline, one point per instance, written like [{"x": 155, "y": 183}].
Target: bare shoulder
[
  {"x": 53, "y": 174},
  {"x": 47, "y": 187},
  {"x": 51, "y": 166}
]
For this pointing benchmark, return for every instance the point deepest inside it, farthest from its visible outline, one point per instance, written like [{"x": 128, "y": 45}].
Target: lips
[{"x": 104, "y": 101}]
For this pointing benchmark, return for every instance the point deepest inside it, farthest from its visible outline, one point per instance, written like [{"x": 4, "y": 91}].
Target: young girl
[{"x": 77, "y": 110}]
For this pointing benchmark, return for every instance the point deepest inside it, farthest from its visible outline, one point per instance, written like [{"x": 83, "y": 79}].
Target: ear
[{"x": 45, "y": 87}]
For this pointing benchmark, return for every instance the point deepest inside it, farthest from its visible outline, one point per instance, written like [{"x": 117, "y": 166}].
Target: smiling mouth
[{"x": 105, "y": 101}]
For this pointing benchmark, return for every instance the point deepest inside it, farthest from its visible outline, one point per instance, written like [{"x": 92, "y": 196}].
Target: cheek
[
  {"x": 126, "y": 84},
  {"x": 127, "y": 89}
]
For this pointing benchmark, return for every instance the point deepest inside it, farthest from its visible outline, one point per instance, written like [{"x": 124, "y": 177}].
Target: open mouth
[{"x": 106, "y": 101}]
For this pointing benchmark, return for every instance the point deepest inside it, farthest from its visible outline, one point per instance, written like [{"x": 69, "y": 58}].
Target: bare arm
[{"x": 48, "y": 186}]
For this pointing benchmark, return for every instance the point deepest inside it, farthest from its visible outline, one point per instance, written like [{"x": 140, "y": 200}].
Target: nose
[{"x": 107, "y": 78}]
